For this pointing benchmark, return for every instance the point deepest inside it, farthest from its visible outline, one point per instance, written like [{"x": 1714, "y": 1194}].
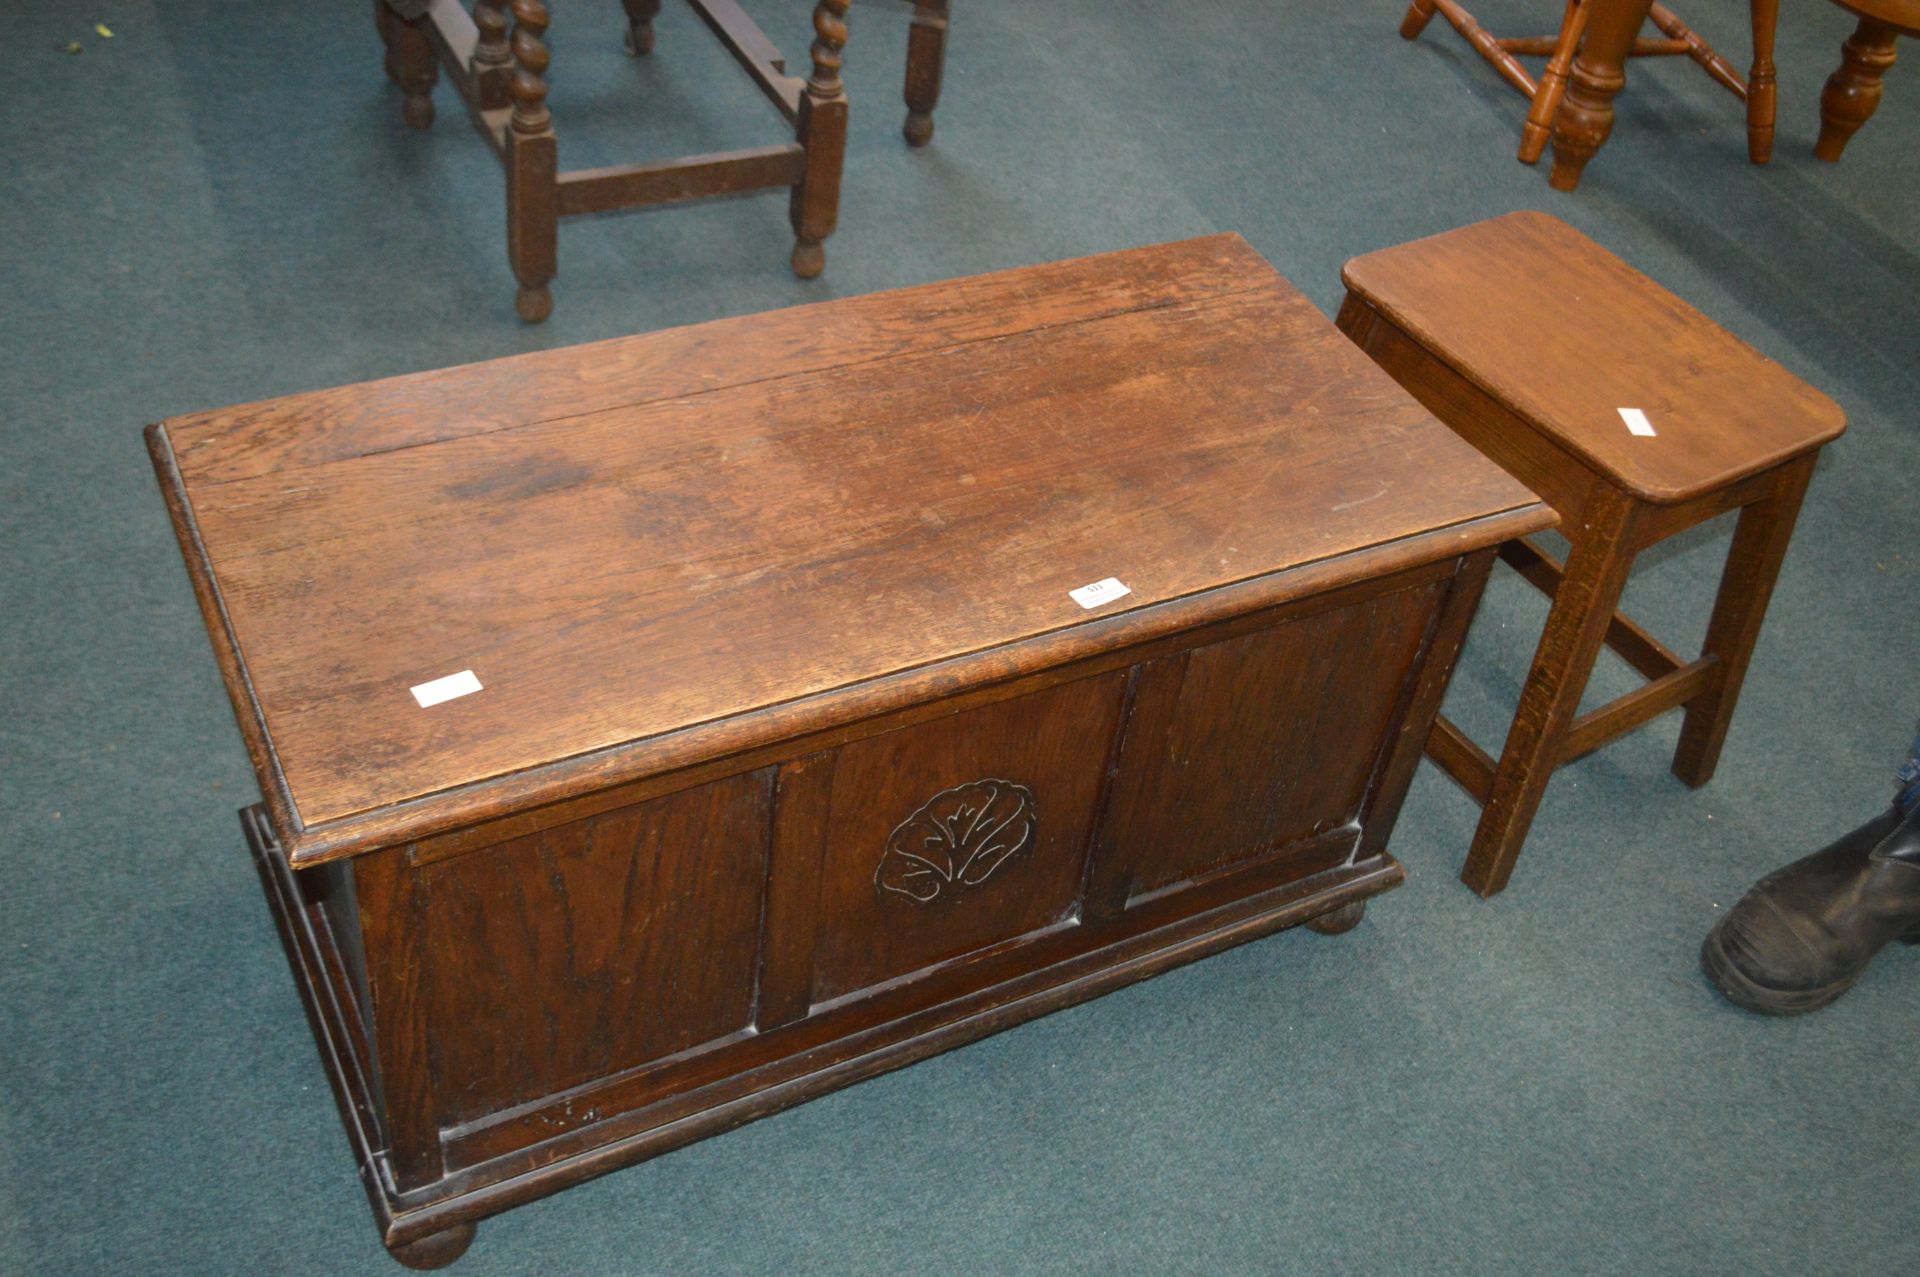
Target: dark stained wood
[
  {"x": 1538, "y": 388},
  {"x": 1240, "y": 767},
  {"x": 619, "y": 577},
  {"x": 642, "y": 923},
  {"x": 1024, "y": 761},
  {"x": 602, "y": 189},
  {"x": 793, "y": 760},
  {"x": 500, "y": 73},
  {"x": 926, "y": 66}
]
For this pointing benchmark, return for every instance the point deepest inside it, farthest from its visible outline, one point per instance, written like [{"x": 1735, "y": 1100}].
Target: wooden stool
[
  {"x": 1677, "y": 39},
  {"x": 1534, "y": 343},
  {"x": 501, "y": 78}
]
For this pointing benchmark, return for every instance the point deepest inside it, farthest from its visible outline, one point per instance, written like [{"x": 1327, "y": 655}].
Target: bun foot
[
  {"x": 534, "y": 304},
  {"x": 1339, "y": 921},
  {"x": 919, "y": 128},
  {"x": 809, "y": 258},
  {"x": 417, "y": 111},
  {"x": 639, "y": 39},
  {"x": 436, "y": 1250}
]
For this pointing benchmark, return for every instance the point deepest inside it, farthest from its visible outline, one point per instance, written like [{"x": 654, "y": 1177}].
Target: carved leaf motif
[{"x": 957, "y": 839}]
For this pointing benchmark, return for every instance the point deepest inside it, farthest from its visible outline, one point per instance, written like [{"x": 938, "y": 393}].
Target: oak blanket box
[{"x": 654, "y": 734}]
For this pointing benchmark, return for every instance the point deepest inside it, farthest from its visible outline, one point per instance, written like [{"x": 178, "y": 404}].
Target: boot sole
[{"x": 1735, "y": 985}]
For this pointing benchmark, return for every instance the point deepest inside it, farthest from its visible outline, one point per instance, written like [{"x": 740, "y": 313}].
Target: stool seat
[
  {"x": 1635, "y": 417},
  {"x": 1564, "y": 334}
]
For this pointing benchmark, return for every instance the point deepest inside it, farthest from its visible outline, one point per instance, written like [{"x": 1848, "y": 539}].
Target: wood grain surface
[
  {"x": 1565, "y": 334},
  {"x": 633, "y": 542}
]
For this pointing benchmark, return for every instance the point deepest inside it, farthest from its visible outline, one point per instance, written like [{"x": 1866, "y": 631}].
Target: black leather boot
[{"x": 1803, "y": 935}]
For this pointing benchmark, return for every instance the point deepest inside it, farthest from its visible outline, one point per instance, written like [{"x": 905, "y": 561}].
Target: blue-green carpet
[{"x": 220, "y": 203}]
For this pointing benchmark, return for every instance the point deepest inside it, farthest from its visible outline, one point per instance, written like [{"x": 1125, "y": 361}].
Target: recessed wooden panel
[
  {"x": 1244, "y": 748},
  {"x": 960, "y": 833},
  {"x": 595, "y": 946}
]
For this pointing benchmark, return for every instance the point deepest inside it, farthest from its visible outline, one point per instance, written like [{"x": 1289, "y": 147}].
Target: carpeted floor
[{"x": 219, "y": 203}]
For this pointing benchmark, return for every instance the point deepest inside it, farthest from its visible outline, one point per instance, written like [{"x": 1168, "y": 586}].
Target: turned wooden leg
[
  {"x": 1339, "y": 921},
  {"x": 1585, "y": 117},
  {"x": 1762, "y": 88},
  {"x": 533, "y": 219},
  {"x": 1582, "y": 609},
  {"x": 822, "y": 132},
  {"x": 1553, "y": 84},
  {"x": 640, "y": 16},
  {"x": 491, "y": 63},
  {"x": 926, "y": 59},
  {"x": 384, "y": 22},
  {"x": 1746, "y": 586},
  {"x": 436, "y": 1250},
  {"x": 410, "y": 63},
  {"x": 1419, "y": 13},
  {"x": 1853, "y": 92}
]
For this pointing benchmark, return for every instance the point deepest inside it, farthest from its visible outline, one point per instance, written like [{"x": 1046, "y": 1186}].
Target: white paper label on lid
[
  {"x": 1092, "y": 596},
  {"x": 1637, "y": 422},
  {"x": 445, "y": 689}
]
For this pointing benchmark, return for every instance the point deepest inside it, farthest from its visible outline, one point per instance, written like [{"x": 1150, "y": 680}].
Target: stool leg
[
  {"x": 1762, "y": 88},
  {"x": 926, "y": 59},
  {"x": 1852, "y": 94},
  {"x": 1746, "y": 586},
  {"x": 1419, "y": 13},
  {"x": 1576, "y": 628},
  {"x": 412, "y": 65},
  {"x": 1553, "y": 83}
]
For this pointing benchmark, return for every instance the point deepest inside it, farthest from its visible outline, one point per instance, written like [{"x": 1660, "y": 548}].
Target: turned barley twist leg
[
  {"x": 492, "y": 61},
  {"x": 822, "y": 131},
  {"x": 532, "y": 154}
]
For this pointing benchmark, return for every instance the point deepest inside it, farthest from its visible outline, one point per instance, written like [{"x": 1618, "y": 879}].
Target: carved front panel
[{"x": 961, "y": 833}]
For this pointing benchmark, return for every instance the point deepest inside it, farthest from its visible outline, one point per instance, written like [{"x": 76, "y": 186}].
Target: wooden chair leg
[
  {"x": 1419, "y": 13},
  {"x": 1762, "y": 90},
  {"x": 411, "y": 64},
  {"x": 1553, "y": 83},
  {"x": 822, "y": 132},
  {"x": 1853, "y": 92},
  {"x": 926, "y": 60},
  {"x": 640, "y": 16},
  {"x": 1746, "y": 586},
  {"x": 1589, "y": 593},
  {"x": 533, "y": 213}
]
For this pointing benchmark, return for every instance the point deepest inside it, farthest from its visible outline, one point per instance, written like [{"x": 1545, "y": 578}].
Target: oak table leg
[
  {"x": 410, "y": 63},
  {"x": 1599, "y": 72},
  {"x": 1746, "y": 586},
  {"x": 822, "y": 131},
  {"x": 926, "y": 59},
  {"x": 640, "y": 16},
  {"x": 533, "y": 220},
  {"x": 1583, "y": 607},
  {"x": 1853, "y": 92}
]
